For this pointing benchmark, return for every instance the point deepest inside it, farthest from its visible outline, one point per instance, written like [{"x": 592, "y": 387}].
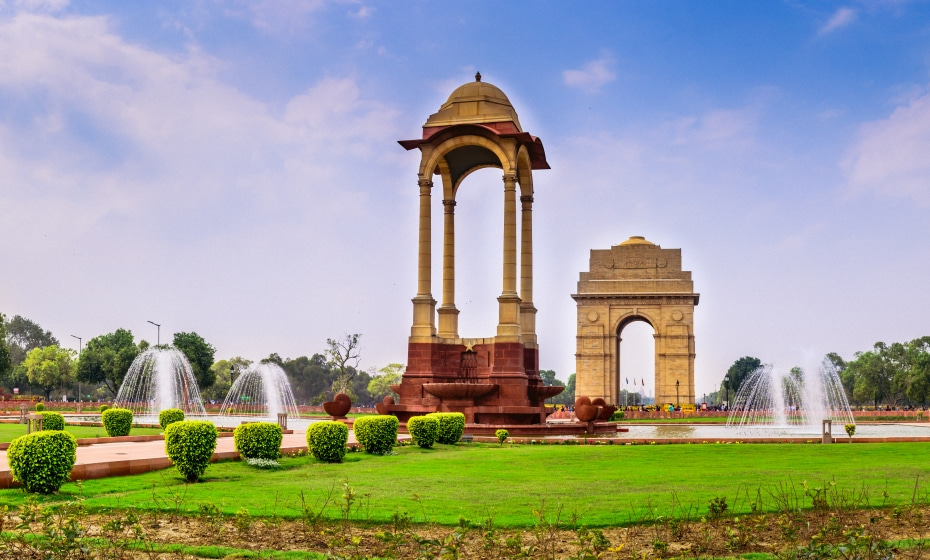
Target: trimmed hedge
[
  {"x": 117, "y": 421},
  {"x": 40, "y": 407},
  {"x": 258, "y": 440},
  {"x": 190, "y": 445},
  {"x": 170, "y": 416},
  {"x": 42, "y": 461},
  {"x": 451, "y": 426},
  {"x": 52, "y": 421},
  {"x": 104, "y": 407},
  {"x": 327, "y": 440},
  {"x": 377, "y": 434},
  {"x": 423, "y": 430}
]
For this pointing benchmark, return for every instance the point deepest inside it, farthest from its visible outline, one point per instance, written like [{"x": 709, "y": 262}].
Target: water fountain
[
  {"x": 261, "y": 393},
  {"x": 160, "y": 378},
  {"x": 773, "y": 399}
]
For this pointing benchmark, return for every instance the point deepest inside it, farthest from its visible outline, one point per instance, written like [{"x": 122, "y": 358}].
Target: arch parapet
[{"x": 635, "y": 280}]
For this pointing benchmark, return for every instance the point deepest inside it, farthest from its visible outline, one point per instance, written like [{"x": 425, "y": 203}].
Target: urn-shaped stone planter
[{"x": 339, "y": 406}]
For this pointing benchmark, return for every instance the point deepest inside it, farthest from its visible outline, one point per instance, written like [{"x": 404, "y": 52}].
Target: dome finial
[{"x": 477, "y": 76}]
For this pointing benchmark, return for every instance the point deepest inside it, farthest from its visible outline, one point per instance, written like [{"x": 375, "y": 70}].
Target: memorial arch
[{"x": 636, "y": 280}]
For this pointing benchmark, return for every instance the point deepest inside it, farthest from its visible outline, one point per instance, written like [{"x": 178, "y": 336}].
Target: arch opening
[
  {"x": 636, "y": 362},
  {"x": 478, "y": 233}
]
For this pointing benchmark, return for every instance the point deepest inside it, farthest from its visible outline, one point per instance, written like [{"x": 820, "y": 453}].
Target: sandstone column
[
  {"x": 508, "y": 327},
  {"x": 527, "y": 310},
  {"x": 424, "y": 306},
  {"x": 448, "y": 314}
]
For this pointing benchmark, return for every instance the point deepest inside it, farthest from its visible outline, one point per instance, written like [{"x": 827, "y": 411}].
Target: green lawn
[
  {"x": 605, "y": 485},
  {"x": 9, "y": 432}
]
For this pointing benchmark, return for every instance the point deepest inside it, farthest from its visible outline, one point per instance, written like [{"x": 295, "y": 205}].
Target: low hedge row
[
  {"x": 258, "y": 440},
  {"x": 327, "y": 440},
  {"x": 423, "y": 430},
  {"x": 377, "y": 434},
  {"x": 117, "y": 421},
  {"x": 451, "y": 426},
  {"x": 190, "y": 445},
  {"x": 42, "y": 461}
]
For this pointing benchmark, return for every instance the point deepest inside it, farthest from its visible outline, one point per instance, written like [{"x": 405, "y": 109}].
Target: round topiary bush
[
  {"x": 170, "y": 416},
  {"x": 117, "y": 421},
  {"x": 104, "y": 407},
  {"x": 52, "y": 421},
  {"x": 377, "y": 434},
  {"x": 451, "y": 426},
  {"x": 190, "y": 445},
  {"x": 258, "y": 440},
  {"x": 42, "y": 461},
  {"x": 423, "y": 430},
  {"x": 502, "y": 435},
  {"x": 40, "y": 407},
  {"x": 327, "y": 440}
]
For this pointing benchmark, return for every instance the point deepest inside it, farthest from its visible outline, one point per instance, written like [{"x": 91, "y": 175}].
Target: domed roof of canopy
[
  {"x": 637, "y": 240},
  {"x": 475, "y": 103},
  {"x": 483, "y": 105}
]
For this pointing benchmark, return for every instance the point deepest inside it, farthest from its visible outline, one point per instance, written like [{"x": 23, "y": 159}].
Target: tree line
[
  {"x": 896, "y": 375},
  {"x": 33, "y": 361}
]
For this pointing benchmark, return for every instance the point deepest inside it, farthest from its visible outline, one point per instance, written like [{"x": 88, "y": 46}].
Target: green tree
[
  {"x": 738, "y": 373},
  {"x": 23, "y": 335},
  {"x": 380, "y": 384},
  {"x": 6, "y": 366},
  {"x": 225, "y": 372},
  {"x": 49, "y": 368},
  {"x": 200, "y": 355},
  {"x": 566, "y": 397},
  {"x": 106, "y": 359},
  {"x": 343, "y": 357},
  {"x": 311, "y": 378}
]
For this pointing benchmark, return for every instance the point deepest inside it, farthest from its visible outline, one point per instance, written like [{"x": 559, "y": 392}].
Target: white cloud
[
  {"x": 592, "y": 76},
  {"x": 840, "y": 18},
  {"x": 278, "y": 15},
  {"x": 890, "y": 156}
]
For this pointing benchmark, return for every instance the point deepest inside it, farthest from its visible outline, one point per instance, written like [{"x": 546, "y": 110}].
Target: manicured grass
[
  {"x": 605, "y": 485},
  {"x": 9, "y": 432}
]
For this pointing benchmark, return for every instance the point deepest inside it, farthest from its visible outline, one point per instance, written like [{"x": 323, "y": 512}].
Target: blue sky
[{"x": 231, "y": 167}]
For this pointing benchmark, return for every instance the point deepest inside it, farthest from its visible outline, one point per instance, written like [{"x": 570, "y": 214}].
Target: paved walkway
[{"x": 120, "y": 458}]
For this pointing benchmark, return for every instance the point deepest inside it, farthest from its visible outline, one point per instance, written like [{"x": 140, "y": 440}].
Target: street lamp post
[
  {"x": 677, "y": 397},
  {"x": 80, "y": 349},
  {"x": 232, "y": 379},
  {"x": 158, "y": 340}
]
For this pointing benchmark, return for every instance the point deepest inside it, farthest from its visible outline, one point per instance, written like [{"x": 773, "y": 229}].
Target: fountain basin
[
  {"x": 458, "y": 390},
  {"x": 542, "y": 392}
]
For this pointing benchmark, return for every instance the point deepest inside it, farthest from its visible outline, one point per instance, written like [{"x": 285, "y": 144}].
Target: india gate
[{"x": 636, "y": 280}]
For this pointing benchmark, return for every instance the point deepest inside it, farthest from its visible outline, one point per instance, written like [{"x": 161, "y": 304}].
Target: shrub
[
  {"x": 52, "y": 421},
  {"x": 502, "y": 436},
  {"x": 104, "y": 407},
  {"x": 451, "y": 426},
  {"x": 42, "y": 461},
  {"x": 117, "y": 421},
  {"x": 423, "y": 430},
  {"x": 377, "y": 434},
  {"x": 170, "y": 416},
  {"x": 258, "y": 440},
  {"x": 190, "y": 445},
  {"x": 327, "y": 440},
  {"x": 617, "y": 416},
  {"x": 40, "y": 407}
]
